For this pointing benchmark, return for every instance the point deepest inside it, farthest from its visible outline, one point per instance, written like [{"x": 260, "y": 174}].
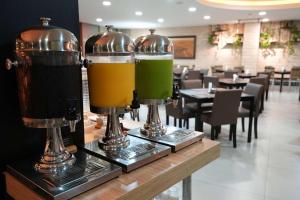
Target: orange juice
[{"x": 111, "y": 84}]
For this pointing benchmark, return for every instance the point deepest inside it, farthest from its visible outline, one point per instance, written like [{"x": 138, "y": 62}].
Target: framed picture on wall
[{"x": 184, "y": 46}]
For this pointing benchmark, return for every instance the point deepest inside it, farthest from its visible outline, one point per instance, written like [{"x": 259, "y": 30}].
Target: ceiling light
[
  {"x": 138, "y": 13},
  {"x": 252, "y": 4},
  {"x": 265, "y": 20},
  {"x": 192, "y": 9},
  {"x": 99, "y": 20},
  {"x": 106, "y": 3},
  {"x": 262, "y": 13},
  {"x": 206, "y": 17},
  {"x": 160, "y": 20}
]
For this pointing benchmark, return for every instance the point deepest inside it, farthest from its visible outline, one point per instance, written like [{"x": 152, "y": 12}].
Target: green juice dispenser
[{"x": 154, "y": 78}]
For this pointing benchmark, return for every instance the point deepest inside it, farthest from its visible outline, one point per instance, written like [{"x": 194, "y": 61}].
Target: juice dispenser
[
  {"x": 154, "y": 78},
  {"x": 154, "y": 86},
  {"x": 111, "y": 80},
  {"x": 48, "y": 73}
]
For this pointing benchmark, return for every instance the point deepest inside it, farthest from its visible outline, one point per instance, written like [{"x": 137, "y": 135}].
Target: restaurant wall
[
  {"x": 279, "y": 57},
  {"x": 206, "y": 54},
  {"x": 16, "y": 140}
]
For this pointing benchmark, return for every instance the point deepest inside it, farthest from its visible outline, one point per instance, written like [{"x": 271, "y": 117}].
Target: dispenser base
[
  {"x": 44, "y": 166},
  {"x": 87, "y": 172},
  {"x": 139, "y": 152},
  {"x": 176, "y": 138},
  {"x": 114, "y": 145}
]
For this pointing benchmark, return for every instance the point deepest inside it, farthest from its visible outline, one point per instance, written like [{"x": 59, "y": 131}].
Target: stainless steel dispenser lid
[
  {"x": 154, "y": 44},
  {"x": 112, "y": 43},
  {"x": 46, "y": 38}
]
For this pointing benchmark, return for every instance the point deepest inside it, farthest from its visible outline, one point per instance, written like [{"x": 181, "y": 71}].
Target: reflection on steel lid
[
  {"x": 46, "y": 38},
  {"x": 154, "y": 44},
  {"x": 111, "y": 43}
]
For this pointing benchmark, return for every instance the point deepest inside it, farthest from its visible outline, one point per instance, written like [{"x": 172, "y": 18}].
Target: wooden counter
[{"x": 143, "y": 183}]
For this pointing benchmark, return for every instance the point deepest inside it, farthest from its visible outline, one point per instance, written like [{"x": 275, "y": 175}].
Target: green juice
[{"x": 154, "y": 79}]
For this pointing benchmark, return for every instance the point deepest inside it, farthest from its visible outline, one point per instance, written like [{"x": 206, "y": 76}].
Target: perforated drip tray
[
  {"x": 87, "y": 172},
  {"x": 140, "y": 152},
  {"x": 176, "y": 138}
]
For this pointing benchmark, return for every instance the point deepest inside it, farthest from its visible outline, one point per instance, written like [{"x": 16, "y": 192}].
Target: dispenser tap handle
[
  {"x": 9, "y": 64},
  {"x": 135, "y": 104}
]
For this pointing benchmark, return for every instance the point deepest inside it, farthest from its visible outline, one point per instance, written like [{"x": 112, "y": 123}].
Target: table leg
[
  {"x": 250, "y": 120},
  {"x": 187, "y": 188},
  {"x": 281, "y": 80},
  {"x": 198, "y": 122}
]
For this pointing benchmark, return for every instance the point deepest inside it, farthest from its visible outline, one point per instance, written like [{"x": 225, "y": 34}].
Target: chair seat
[
  {"x": 194, "y": 106},
  {"x": 206, "y": 117},
  {"x": 243, "y": 112}
]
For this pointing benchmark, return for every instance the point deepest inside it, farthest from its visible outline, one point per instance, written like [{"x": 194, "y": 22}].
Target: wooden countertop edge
[
  {"x": 173, "y": 176},
  {"x": 146, "y": 190}
]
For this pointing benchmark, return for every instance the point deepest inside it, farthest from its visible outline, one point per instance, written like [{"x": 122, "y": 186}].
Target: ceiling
[{"x": 175, "y": 13}]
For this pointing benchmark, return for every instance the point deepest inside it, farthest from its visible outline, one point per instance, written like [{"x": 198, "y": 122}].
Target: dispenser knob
[
  {"x": 9, "y": 64},
  {"x": 45, "y": 21}
]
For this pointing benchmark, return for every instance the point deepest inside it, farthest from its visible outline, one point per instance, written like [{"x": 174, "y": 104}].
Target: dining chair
[
  {"x": 215, "y": 67},
  {"x": 271, "y": 70},
  {"x": 267, "y": 86},
  {"x": 261, "y": 81},
  {"x": 239, "y": 69},
  {"x": 179, "y": 112},
  {"x": 191, "y": 105},
  {"x": 295, "y": 75},
  {"x": 244, "y": 110},
  {"x": 211, "y": 79},
  {"x": 229, "y": 74},
  {"x": 224, "y": 111},
  {"x": 193, "y": 74}
]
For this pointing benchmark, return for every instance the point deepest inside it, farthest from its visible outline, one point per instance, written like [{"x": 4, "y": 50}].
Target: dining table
[
  {"x": 282, "y": 74},
  {"x": 201, "y": 96},
  {"x": 246, "y": 76},
  {"x": 230, "y": 83}
]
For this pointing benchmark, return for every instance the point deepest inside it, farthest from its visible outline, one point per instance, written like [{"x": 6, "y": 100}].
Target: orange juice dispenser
[{"x": 111, "y": 81}]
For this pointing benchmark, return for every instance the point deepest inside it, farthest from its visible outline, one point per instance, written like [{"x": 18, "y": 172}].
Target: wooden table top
[
  {"x": 143, "y": 183},
  {"x": 203, "y": 95},
  {"x": 229, "y": 81},
  {"x": 282, "y": 72}
]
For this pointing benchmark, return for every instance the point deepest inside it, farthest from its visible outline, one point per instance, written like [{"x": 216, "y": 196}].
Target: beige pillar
[{"x": 250, "y": 51}]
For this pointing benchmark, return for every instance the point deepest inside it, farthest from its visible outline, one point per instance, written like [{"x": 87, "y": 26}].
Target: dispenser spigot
[
  {"x": 135, "y": 104},
  {"x": 175, "y": 95},
  {"x": 71, "y": 114}
]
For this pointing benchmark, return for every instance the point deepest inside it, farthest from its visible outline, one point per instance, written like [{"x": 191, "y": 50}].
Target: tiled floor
[{"x": 268, "y": 168}]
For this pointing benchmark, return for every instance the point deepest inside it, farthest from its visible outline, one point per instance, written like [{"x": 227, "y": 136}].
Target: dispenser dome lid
[
  {"x": 110, "y": 43},
  {"x": 46, "y": 38},
  {"x": 154, "y": 44}
]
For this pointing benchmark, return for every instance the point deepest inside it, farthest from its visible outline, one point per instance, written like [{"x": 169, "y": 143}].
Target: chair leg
[
  {"x": 255, "y": 127},
  {"x": 167, "y": 119},
  {"x": 175, "y": 121},
  {"x": 138, "y": 116},
  {"x": 212, "y": 133},
  {"x": 187, "y": 123},
  {"x": 217, "y": 132},
  {"x": 230, "y": 133},
  {"x": 234, "y": 135},
  {"x": 180, "y": 123},
  {"x": 184, "y": 122},
  {"x": 243, "y": 124},
  {"x": 267, "y": 94}
]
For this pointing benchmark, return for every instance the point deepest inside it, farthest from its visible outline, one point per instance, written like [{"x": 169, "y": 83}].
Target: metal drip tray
[
  {"x": 87, "y": 172},
  {"x": 140, "y": 152},
  {"x": 176, "y": 138}
]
